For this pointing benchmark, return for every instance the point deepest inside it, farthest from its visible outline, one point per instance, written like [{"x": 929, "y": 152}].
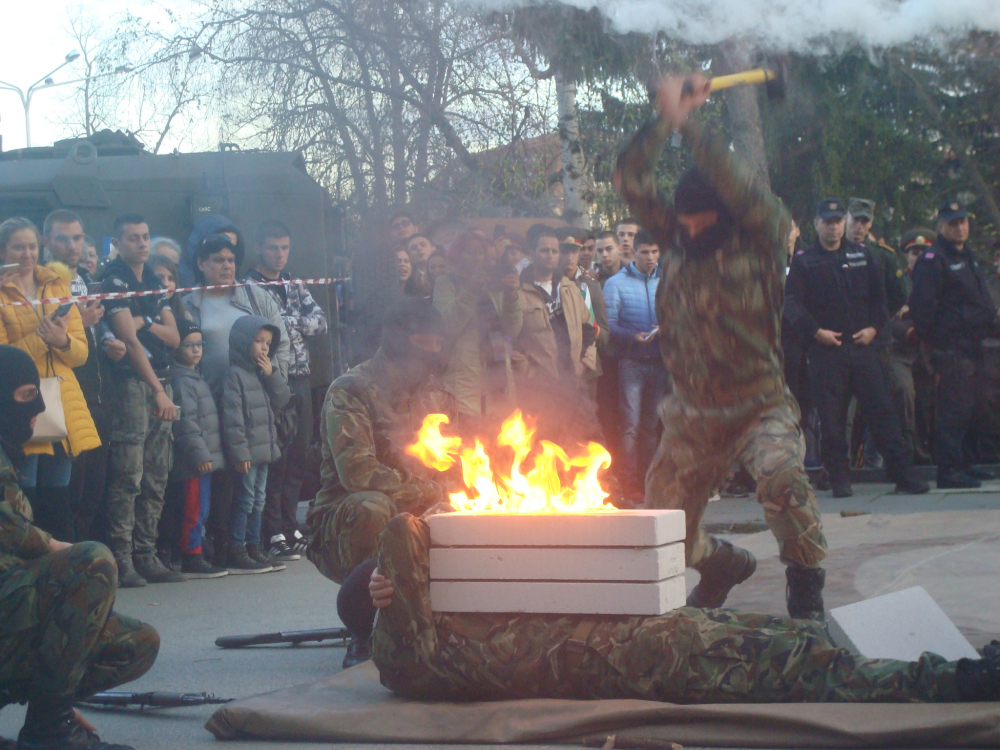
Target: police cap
[
  {"x": 951, "y": 210},
  {"x": 830, "y": 208}
]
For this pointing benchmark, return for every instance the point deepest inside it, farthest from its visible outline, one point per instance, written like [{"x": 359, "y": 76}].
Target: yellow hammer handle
[{"x": 746, "y": 78}]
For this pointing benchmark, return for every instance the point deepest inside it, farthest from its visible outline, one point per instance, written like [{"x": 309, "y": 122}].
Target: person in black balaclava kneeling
[
  {"x": 370, "y": 415},
  {"x": 59, "y": 638}
]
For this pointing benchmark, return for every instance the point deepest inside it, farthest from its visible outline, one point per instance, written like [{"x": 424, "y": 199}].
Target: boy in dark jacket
[
  {"x": 251, "y": 392},
  {"x": 197, "y": 448}
]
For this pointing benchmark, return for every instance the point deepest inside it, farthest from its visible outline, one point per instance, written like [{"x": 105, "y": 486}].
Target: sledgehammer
[{"x": 772, "y": 76}]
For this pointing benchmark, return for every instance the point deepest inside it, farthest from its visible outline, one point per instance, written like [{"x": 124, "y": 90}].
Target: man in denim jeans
[{"x": 631, "y": 302}]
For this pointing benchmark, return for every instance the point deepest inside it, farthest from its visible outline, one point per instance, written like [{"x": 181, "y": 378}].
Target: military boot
[
  {"x": 979, "y": 679},
  {"x": 804, "y": 593},
  {"x": 127, "y": 577},
  {"x": 727, "y": 567},
  {"x": 51, "y": 725},
  {"x": 357, "y": 651},
  {"x": 154, "y": 571}
]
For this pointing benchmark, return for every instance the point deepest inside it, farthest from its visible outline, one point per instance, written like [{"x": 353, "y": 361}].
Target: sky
[{"x": 27, "y": 55}]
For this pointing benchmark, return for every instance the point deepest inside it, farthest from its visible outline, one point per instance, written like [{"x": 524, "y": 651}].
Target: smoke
[{"x": 805, "y": 26}]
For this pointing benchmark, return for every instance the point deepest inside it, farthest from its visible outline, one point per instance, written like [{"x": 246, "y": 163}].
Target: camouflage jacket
[
  {"x": 301, "y": 315},
  {"x": 365, "y": 427},
  {"x": 20, "y": 539},
  {"x": 720, "y": 314}
]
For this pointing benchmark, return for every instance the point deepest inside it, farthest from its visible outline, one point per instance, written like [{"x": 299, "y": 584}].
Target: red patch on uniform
[
  {"x": 928, "y": 255},
  {"x": 800, "y": 252}
]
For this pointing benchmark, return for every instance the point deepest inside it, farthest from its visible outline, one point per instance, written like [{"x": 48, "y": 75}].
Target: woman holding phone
[{"x": 53, "y": 335}]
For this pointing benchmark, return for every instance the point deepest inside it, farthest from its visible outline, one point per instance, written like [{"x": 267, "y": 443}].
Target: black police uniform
[
  {"x": 841, "y": 290},
  {"x": 952, "y": 311}
]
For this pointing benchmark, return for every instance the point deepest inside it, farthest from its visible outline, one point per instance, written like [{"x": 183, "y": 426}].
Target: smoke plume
[{"x": 796, "y": 25}]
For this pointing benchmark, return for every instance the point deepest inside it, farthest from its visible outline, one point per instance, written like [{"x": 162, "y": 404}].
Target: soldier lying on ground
[
  {"x": 59, "y": 638},
  {"x": 369, "y": 417},
  {"x": 719, "y": 305},
  {"x": 686, "y": 656}
]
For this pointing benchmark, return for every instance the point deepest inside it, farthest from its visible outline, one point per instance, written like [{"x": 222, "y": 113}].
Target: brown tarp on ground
[{"x": 353, "y": 707}]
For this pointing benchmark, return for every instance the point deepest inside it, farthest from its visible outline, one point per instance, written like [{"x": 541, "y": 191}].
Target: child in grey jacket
[
  {"x": 252, "y": 390},
  {"x": 197, "y": 448}
]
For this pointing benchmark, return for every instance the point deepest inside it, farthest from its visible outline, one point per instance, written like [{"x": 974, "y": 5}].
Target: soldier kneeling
[{"x": 59, "y": 639}]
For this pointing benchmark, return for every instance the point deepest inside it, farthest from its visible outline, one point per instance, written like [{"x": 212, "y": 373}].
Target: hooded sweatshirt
[
  {"x": 187, "y": 270},
  {"x": 249, "y": 399}
]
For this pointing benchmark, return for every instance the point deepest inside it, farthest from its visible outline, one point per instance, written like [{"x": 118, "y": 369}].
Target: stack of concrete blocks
[{"x": 621, "y": 562}]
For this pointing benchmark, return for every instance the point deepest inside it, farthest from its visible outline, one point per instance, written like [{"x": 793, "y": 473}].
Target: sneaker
[
  {"x": 957, "y": 480},
  {"x": 358, "y": 651},
  {"x": 154, "y": 571},
  {"x": 254, "y": 552},
  {"x": 804, "y": 593},
  {"x": 195, "y": 566},
  {"x": 911, "y": 484},
  {"x": 239, "y": 563},
  {"x": 127, "y": 577},
  {"x": 279, "y": 550},
  {"x": 298, "y": 543}
]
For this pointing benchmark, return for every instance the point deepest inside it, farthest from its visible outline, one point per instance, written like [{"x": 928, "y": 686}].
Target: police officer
[
  {"x": 953, "y": 312},
  {"x": 835, "y": 296}
]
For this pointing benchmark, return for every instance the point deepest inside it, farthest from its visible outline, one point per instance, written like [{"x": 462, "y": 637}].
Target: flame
[
  {"x": 433, "y": 448},
  {"x": 539, "y": 489}
]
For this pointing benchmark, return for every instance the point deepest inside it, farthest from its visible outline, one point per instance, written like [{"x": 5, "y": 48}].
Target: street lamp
[{"x": 47, "y": 81}]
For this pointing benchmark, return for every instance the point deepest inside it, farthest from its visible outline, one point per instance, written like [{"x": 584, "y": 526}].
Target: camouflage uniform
[
  {"x": 366, "y": 477},
  {"x": 139, "y": 462},
  {"x": 58, "y": 635},
  {"x": 720, "y": 328},
  {"x": 687, "y": 656}
]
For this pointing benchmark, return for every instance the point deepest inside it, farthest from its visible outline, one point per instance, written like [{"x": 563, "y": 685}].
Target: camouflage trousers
[
  {"x": 699, "y": 447},
  {"x": 344, "y": 534},
  {"x": 58, "y": 635},
  {"x": 687, "y": 656},
  {"x": 139, "y": 460}
]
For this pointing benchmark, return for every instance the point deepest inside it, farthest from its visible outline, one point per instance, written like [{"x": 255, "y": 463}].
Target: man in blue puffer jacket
[{"x": 631, "y": 302}]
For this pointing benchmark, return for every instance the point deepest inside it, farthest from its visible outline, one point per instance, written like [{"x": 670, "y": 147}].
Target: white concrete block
[
  {"x": 546, "y": 597},
  {"x": 618, "y": 528},
  {"x": 557, "y": 563},
  {"x": 901, "y": 625}
]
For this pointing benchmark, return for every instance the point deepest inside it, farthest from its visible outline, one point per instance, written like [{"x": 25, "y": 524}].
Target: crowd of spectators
[
  {"x": 186, "y": 418},
  {"x": 165, "y": 412},
  {"x": 562, "y": 323}
]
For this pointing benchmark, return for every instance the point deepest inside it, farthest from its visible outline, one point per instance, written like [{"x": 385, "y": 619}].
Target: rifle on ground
[
  {"x": 295, "y": 637},
  {"x": 152, "y": 699}
]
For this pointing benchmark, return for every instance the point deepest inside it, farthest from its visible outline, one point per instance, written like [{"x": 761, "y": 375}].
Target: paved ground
[{"x": 947, "y": 542}]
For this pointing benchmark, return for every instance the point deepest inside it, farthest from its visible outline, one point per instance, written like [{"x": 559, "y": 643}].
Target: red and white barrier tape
[{"x": 147, "y": 292}]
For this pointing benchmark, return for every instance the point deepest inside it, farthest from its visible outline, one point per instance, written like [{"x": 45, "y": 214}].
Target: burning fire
[{"x": 538, "y": 490}]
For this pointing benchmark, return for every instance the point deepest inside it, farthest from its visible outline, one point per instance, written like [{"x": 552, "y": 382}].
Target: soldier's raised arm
[{"x": 635, "y": 179}]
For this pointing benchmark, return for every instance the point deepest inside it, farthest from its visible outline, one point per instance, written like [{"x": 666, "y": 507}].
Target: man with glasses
[{"x": 953, "y": 313}]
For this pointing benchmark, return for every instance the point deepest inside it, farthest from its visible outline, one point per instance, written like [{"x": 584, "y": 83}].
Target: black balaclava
[
  {"x": 408, "y": 316},
  {"x": 695, "y": 194},
  {"x": 17, "y": 369}
]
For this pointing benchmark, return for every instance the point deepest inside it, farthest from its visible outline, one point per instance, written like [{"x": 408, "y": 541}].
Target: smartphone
[
  {"x": 8, "y": 267},
  {"x": 63, "y": 310},
  {"x": 95, "y": 288}
]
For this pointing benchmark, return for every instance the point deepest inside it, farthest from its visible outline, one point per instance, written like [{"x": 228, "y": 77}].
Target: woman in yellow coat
[{"x": 57, "y": 345}]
